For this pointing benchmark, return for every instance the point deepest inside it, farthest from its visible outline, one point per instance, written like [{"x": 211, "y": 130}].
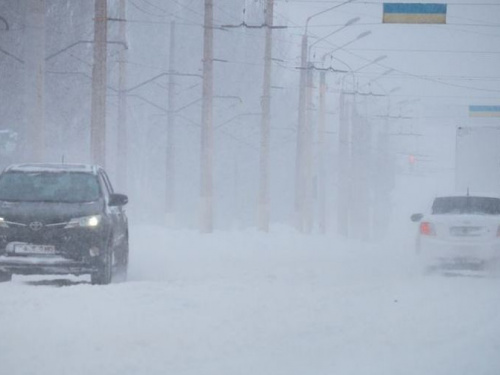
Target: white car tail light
[{"x": 427, "y": 229}]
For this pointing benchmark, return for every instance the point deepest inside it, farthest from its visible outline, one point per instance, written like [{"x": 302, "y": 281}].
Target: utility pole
[
  {"x": 265, "y": 122},
  {"x": 98, "y": 108},
  {"x": 170, "y": 151},
  {"x": 301, "y": 184},
  {"x": 301, "y": 128},
  {"x": 207, "y": 127},
  {"x": 308, "y": 193},
  {"x": 344, "y": 177},
  {"x": 360, "y": 208},
  {"x": 321, "y": 144},
  {"x": 35, "y": 81},
  {"x": 122, "y": 136}
]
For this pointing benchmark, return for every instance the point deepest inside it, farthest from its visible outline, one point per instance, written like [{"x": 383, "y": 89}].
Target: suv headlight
[{"x": 84, "y": 222}]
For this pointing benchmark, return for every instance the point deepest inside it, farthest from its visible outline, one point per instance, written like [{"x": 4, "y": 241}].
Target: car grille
[{"x": 73, "y": 243}]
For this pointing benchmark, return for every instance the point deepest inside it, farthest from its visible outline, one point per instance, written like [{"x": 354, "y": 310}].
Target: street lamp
[
  {"x": 322, "y": 134},
  {"x": 388, "y": 71},
  {"x": 352, "y": 72},
  {"x": 352, "y": 21},
  {"x": 360, "y": 36},
  {"x": 346, "y": 141},
  {"x": 324, "y": 11},
  {"x": 395, "y": 89},
  {"x": 303, "y": 212}
]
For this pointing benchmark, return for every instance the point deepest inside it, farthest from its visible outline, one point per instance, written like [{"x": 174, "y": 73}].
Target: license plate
[
  {"x": 34, "y": 249},
  {"x": 467, "y": 231}
]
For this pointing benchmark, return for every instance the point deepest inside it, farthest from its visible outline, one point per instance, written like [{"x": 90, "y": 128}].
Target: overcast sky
[{"x": 456, "y": 63}]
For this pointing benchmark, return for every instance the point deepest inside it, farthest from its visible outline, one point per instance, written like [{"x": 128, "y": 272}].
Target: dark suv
[{"x": 61, "y": 219}]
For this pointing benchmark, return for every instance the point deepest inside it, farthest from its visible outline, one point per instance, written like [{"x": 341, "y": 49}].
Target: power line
[
  {"x": 425, "y": 78},
  {"x": 421, "y": 77},
  {"x": 386, "y": 25},
  {"x": 455, "y": 29},
  {"x": 377, "y": 3},
  {"x": 423, "y": 50},
  {"x": 221, "y": 9},
  {"x": 186, "y": 7},
  {"x": 157, "y": 8},
  {"x": 147, "y": 12},
  {"x": 186, "y": 22},
  {"x": 166, "y": 14}
]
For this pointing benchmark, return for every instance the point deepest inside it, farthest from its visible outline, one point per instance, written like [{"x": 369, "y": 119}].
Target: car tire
[
  {"x": 5, "y": 276},
  {"x": 122, "y": 262},
  {"x": 104, "y": 273}
]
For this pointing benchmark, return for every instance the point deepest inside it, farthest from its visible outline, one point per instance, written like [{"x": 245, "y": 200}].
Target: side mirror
[
  {"x": 117, "y": 200},
  {"x": 416, "y": 217}
]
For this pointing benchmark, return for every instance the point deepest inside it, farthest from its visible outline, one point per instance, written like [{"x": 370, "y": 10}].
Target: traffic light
[{"x": 411, "y": 161}]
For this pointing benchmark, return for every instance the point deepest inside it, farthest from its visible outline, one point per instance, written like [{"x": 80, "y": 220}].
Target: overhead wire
[
  {"x": 422, "y": 77},
  {"x": 378, "y": 2},
  {"x": 166, "y": 14},
  {"x": 404, "y": 50}
]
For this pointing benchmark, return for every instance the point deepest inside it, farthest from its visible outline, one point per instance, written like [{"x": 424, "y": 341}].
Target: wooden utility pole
[
  {"x": 122, "y": 136},
  {"x": 98, "y": 109},
  {"x": 301, "y": 129},
  {"x": 207, "y": 128},
  {"x": 265, "y": 122},
  {"x": 170, "y": 150},
  {"x": 344, "y": 178},
  {"x": 34, "y": 134},
  {"x": 321, "y": 145},
  {"x": 308, "y": 194}
]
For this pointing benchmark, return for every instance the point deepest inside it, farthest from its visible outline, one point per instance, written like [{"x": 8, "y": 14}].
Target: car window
[
  {"x": 466, "y": 205},
  {"x": 49, "y": 186},
  {"x": 106, "y": 183}
]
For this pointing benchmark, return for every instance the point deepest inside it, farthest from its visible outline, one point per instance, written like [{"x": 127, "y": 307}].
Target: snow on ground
[{"x": 250, "y": 303}]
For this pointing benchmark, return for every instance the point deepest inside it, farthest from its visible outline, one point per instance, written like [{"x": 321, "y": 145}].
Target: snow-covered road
[{"x": 248, "y": 303}]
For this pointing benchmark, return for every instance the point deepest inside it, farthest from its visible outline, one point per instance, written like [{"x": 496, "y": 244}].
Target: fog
[
  {"x": 401, "y": 90},
  {"x": 253, "y": 253}
]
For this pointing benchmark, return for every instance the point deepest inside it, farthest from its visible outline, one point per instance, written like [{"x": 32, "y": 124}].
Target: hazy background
[
  {"x": 437, "y": 71},
  {"x": 242, "y": 301}
]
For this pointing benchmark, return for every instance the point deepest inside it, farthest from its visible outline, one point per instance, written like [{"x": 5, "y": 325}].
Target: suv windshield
[
  {"x": 71, "y": 187},
  {"x": 466, "y": 205}
]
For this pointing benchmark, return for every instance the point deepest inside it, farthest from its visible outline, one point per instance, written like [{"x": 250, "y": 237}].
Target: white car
[{"x": 461, "y": 232}]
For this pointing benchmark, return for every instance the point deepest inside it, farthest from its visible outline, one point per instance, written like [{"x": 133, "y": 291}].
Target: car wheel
[
  {"x": 104, "y": 273},
  {"x": 5, "y": 276},
  {"x": 122, "y": 262}
]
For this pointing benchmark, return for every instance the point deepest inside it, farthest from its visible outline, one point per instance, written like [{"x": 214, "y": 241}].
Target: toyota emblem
[{"x": 36, "y": 226}]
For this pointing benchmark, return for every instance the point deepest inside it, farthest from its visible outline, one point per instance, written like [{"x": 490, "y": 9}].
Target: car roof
[
  {"x": 473, "y": 194},
  {"x": 48, "y": 167}
]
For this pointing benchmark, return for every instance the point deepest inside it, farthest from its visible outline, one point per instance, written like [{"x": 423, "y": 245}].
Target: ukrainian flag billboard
[
  {"x": 484, "y": 110},
  {"x": 414, "y": 13}
]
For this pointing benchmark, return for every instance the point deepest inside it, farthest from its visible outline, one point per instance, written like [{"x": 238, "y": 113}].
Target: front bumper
[
  {"x": 72, "y": 250},
  {"x": 45, "y": 265}
]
